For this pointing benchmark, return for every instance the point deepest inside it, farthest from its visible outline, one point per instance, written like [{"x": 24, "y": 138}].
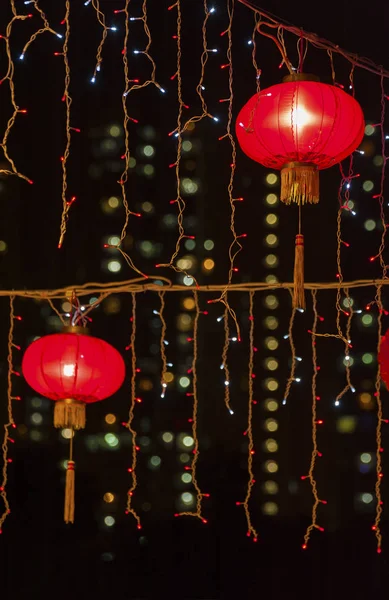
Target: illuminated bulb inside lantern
[
  {"x": 301, "y": 117},
  {"x": 69, "y": 370}
]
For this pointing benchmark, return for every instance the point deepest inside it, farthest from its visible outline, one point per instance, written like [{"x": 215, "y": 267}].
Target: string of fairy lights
[{"x": 160, "y": 285}]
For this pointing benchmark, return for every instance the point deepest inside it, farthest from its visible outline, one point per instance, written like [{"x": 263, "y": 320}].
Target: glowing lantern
[
  {"x": 300, "y": 126},
  {"x": 73, "y": 369}
]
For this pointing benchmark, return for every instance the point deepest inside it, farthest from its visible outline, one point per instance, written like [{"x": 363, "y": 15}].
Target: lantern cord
[
  {"x": 377, "y": 523},
  {"x": 11, "y": 423},
  {"x": 299, "y": 218},
  {"x": 316, "y": 41},
  {"x": 71, "y": 444}
]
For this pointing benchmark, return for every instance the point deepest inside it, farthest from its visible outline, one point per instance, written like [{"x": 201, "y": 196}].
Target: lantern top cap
[
  {"x": 300, "y": 77},
  {"x": 75, "y": 329}
]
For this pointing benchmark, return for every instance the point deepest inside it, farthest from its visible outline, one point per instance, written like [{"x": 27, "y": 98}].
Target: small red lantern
[
  {"x": 383, "y": 359},
  {"x": 73, "y": 369},
  {"x": 300, "y": 126}
]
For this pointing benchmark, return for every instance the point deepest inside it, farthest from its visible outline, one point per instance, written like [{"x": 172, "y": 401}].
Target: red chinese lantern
[
  {"x": 383, "y": 359},
  {"x": 73, "y": 369},
  {"x": 300, "y": 126}
]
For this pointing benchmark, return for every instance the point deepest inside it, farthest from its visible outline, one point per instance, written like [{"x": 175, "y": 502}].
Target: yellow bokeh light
[
  {"x": 108, "y": 497},
  {"x": 271, "y": 219},
  {"x": 271, "y": 466},
  {"x": 271, "y": 199},
  {"x": 271, "y": 425},
  {"x": 113, "y": 202},
  {"x": 146, "y": 385},
  {"x": 271, "y": 405},
  {"x": 271, "y": 445},
  {"x": 208, "y": 264},
  {"x": 110, "y": 419},
  {"x": 271, "y": 178},
  {"x": 168, "y": 377},
  {"x": 271, "y": 343},
  {"x": 188, "y": 303},
  {"x": 270, "y": 508},
  {"x": 270, "y": 487}
]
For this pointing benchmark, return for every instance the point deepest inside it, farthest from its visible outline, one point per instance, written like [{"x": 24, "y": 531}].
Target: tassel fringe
[
  {"x": 298, "y": 290},
  {"x": 69, "y": 414},
  {"x": 299, "y": 184},
  {"x": 69, "y": 493}
]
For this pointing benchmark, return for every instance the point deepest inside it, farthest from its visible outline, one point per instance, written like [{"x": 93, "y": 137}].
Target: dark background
[{"x": 181, "y": 558}]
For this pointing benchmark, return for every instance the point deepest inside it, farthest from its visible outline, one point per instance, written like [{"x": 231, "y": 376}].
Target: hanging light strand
[
  {"x": 99, "y": 54},
  {"x": 67, "y": 99},
  {"x": 162, "y": 345},
  {"x": 291, "y": 377},
  {"x": 226, "y": 370},
  {"x": 9, "y": 77},
  {"x": 179, "y": 200},
  {"x": 11, "y": 423},
  {"x": 127, "y": 154},
  {"x": 46, "y": 27},
  {"x": 131, "y": 416},
  {"x": 315, "y": 422},
  {"x": 251, "y": 531},
  {"x": 199, "y": 494},
  {"x": 378, "y": 493},
  {"x": 235, "y": 246}
]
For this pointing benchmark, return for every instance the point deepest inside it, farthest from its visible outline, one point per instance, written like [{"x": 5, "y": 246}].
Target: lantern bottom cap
[
  {"x": 69, "y": 414},
  {"x": 300, "y": 183}
]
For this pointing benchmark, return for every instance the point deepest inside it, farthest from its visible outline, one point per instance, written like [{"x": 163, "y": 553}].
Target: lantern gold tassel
[
  {"x": 299, "y": 183},
  {"x": 298, "y": 289},
  {"x": 69, "y": 414},
  {"x": 69, "y": 493}
]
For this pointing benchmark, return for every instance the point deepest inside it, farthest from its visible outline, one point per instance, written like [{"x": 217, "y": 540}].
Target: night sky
[{"x": 183, "y": 559}]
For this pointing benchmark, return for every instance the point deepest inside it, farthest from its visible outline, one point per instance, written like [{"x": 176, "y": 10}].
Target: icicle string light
[
  {"x": 381, "y": 198},
  {"x": 200, "y": 85},
  {"x": 46, "y": 27},
  {"x": 179, "y": 200},
  {"x": 291, "y": 377},
  {"x": 99, "y": 54},
  {"x": 66, "y": 202},
  {"x": 378, "y": 493},
  {"x": 315, "y": 453},
  {"x": 251, "y": 531},
  {"x": 139, "y": 285},
  {"x": 199, "y": 495},
  {"x": 315, "y": 41},
  {"x": 235, "y": 246},
  {"x": 11, "y": 423},
  {"x": 162, "y": 344},
  {"x": 257, "y": 19},
  {"x": 9, "y": 77},
  {"x": 226, "y": 371},
  {"x": 129, "y": 424}
]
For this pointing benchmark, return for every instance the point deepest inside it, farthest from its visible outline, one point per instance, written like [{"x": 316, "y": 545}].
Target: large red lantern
[
  {"x": 300, "y": 126},
  {"x": 383, "y": 359},
  {"x": 73, "y": 369}
]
